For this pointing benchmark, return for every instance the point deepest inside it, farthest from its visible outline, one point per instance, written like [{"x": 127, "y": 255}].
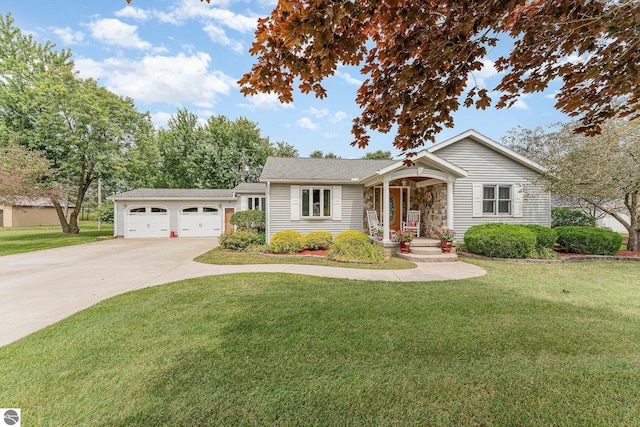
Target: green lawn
[
  {"x": 28, "y": 239},
  {"x": 510, "y": 348},
  {"x": 225, "y": 257}
]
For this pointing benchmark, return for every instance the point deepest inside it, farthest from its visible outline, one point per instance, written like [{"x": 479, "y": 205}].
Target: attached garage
[
  {"x": 200, "y": 221},
  {"x": 146, "y": 212},
  {"x": 147, "y": 221}
]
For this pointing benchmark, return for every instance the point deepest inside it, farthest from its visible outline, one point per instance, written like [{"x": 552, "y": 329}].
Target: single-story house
[
  {"x": 28, "y": 212},
  {"x": 466, "y": 180}
]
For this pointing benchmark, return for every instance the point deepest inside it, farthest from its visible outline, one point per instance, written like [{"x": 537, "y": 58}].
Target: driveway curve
[{"x": 40, "y": 288}]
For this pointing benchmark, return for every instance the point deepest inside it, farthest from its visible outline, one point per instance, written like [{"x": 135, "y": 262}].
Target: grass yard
[
  {"x": 28, "y": 239},
  {"x": 224, "y": 257},
  {"x": 510, "y": 348}
]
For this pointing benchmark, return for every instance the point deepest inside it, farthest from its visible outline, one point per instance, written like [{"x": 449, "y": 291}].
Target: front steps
[{"x": 427, "y": 250}]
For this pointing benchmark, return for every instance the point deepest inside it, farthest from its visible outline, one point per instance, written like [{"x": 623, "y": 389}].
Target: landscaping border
[{"x": 582, "y": 258}]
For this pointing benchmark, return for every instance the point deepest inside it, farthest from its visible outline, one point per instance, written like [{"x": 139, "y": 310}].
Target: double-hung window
[
  {"x": 316, "y": 202},
  {"x": 256, "y": 203},
  {"x": 497, "y": 199}
]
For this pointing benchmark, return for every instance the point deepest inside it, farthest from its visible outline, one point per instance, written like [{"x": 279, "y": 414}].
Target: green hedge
[
  {"x": 546, "y": 237},
  {"x": 286, "y": 242},
  {"x": 249, "y": 220},
  {"x": 355, "y": 246},
  {"x": 561, "y": 217},
  {"x": 241, "y": 239},
  {"x": 318, "y": 240},
  {"x": 589, "y": 240},
  {"x": 500, "y": 240}
]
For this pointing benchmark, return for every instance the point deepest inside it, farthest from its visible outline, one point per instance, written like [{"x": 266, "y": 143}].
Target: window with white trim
[
  {"x": 316, "y": 202},
  {"x": 497, "y": 199},
  {"x": 256, "y": 203}
]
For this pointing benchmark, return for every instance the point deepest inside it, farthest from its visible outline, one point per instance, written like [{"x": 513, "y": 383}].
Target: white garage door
[
  {"x": 147, "y": 221},
  {"x": 200, "y": 221}
]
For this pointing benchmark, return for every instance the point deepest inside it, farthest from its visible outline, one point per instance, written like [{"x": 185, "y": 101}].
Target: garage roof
[{"x": 173, "y": 193}]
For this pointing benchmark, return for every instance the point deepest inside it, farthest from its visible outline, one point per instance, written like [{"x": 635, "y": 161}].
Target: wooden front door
[
  {"x": 395, "y": 208},
  {"x": 228, "y": 213}
]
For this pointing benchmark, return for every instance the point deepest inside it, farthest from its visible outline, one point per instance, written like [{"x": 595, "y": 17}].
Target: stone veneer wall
[
  {"x": 367, "y": 206},
  {"x": 434, "y": 218}
]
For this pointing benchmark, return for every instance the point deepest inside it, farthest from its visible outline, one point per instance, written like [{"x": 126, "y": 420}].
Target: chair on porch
[
  {"x": 374, "y": 224},
  {"x": 412, "y": 223}
]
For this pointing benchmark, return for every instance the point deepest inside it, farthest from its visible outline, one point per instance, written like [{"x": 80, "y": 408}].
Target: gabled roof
[
  {"x": 173, "y": 194},
  {"x": 490, "y": 143},
  {"x": 35, "y": 202},
  {"x": 251, "y": 187},
  {"x": 301, "y": 169},
  {"x": 425, "y": 157}
]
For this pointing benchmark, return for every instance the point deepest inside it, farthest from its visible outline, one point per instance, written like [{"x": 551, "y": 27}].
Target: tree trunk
[{"x": 634, "y": 242}]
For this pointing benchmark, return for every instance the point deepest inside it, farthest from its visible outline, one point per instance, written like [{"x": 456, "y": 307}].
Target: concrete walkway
[{"x": 40, "y": 288}]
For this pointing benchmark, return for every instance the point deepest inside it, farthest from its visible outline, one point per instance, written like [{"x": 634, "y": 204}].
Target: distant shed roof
[
  {"x": 173, "y": 193},
  {"x": 302, "y": 169}
]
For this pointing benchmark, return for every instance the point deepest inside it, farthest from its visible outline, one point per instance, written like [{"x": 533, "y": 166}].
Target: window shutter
[
  {"x": 477, "y": 200},
  {"x": 336, "y": 194},
  {"x": 517, "y": 201},
  {"x": 295, "y": 203},
  {"x": 243, "y": 203}
]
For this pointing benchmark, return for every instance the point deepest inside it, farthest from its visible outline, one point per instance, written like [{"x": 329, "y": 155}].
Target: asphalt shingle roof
[
  {"x": 250, "y": 187},
  {"x": 173, "y": 193},
  {"x": 330, "y": 170}
]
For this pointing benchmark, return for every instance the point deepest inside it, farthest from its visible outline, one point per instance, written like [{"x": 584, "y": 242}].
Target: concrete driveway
[{"x": 40, "y": 288}]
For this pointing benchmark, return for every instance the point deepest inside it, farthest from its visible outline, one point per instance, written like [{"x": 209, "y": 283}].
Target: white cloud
[
  {"x": 329, "y": 135},
  {"x": 217, "y": 35},
  {"x": 317, "y": 112},
  {"x": 347, "y": 78},
  {"x": 478, "y": 78},
  {"x": 187, "y": 10},
  {"x": 67, "y": 35},
  {"x": 160, "y": 119},
  {"x": 520, "y": 104},
  {"x": 117, "y": 33},
  {"x": 553, "y": 95},
  {"x": 132, "y": 13},
  {"x": 338, "y": 117},
  {"x": 307, "y": 123},
  {"x": 265, "y": 102},
  {"x": 157, "y": 78}
]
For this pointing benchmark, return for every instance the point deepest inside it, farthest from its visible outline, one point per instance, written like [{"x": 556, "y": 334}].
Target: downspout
[{"x": 267, "y": 217}]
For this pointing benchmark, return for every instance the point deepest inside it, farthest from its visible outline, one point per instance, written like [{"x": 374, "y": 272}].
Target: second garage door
[{"x": 200, "y": 221}]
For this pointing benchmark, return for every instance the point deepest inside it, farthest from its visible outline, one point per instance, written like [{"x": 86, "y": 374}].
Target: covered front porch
[{"x": 427, "y": 187}]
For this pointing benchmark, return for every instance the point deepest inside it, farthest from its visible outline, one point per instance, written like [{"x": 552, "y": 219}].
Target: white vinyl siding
[
  {"x": 530, "y": 201},
  {"x": 285, "y": 204}
]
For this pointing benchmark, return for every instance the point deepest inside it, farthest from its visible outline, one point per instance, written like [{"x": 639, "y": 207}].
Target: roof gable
[{"x": 488, "y": 142}]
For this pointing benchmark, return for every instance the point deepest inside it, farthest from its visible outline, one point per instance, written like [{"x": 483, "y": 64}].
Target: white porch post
[
  {"x": 385, "y": 210},
  {"x": 450, "y": 184}
]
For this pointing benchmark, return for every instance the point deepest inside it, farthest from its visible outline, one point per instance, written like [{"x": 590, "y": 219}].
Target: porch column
[
  {"x": 385, "y": 210},
  {"x": 450, "y": 204}
]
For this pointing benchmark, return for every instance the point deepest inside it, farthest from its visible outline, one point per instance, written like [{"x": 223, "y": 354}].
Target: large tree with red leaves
[{"x": 417, "y": 56}]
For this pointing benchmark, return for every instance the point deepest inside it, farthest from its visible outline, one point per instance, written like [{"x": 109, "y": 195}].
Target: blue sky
[{"x": 171, "y": 54}]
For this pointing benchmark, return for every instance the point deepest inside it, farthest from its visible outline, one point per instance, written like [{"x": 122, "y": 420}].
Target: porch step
[
  {"x": 425, "y": 250},
  {"x": 440, "y": 257},
  {"x": 425, "y": 242}
]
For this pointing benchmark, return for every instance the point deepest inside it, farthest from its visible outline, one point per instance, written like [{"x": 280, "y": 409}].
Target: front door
[
  {"x": 395, "y": 208},
  {"x": 228, "y": 213}
]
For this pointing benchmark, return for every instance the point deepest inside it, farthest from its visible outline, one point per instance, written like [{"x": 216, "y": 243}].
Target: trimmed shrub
[
  {"x": 545, "y": 236},
  {"x": 241, "y": 239},
  {"x": 500, "y": 240},
  {"x": 286, "y": 242},
  {"x": 355, "y": 246},
  {"x": 249, "y": 220},
  {"x": 318, "y": 240},
  {"x": 589, "y": 240},
  {"x": 561, "y": 217}
]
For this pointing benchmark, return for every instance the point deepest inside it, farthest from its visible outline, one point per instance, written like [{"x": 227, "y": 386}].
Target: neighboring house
[
  {"x": 466, "y": 180},
  {"x": 27, "y": 212}
]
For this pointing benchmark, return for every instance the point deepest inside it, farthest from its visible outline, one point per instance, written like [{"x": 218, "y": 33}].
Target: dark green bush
[
  {"x": 105, "y": 212},
  {"x": 589, "y": 240},
  {"x": 355, "y": 246},
  {"x": 286, "y": 242},
  {"x": 241, "y": 239},
  {"x": 500, "y": 240},
  {"x": 545, "y": 236},
  {"x": 561, "y": 217},
  {"x": 245, "y": 220},
  {"x": 318, "y": 240}
]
